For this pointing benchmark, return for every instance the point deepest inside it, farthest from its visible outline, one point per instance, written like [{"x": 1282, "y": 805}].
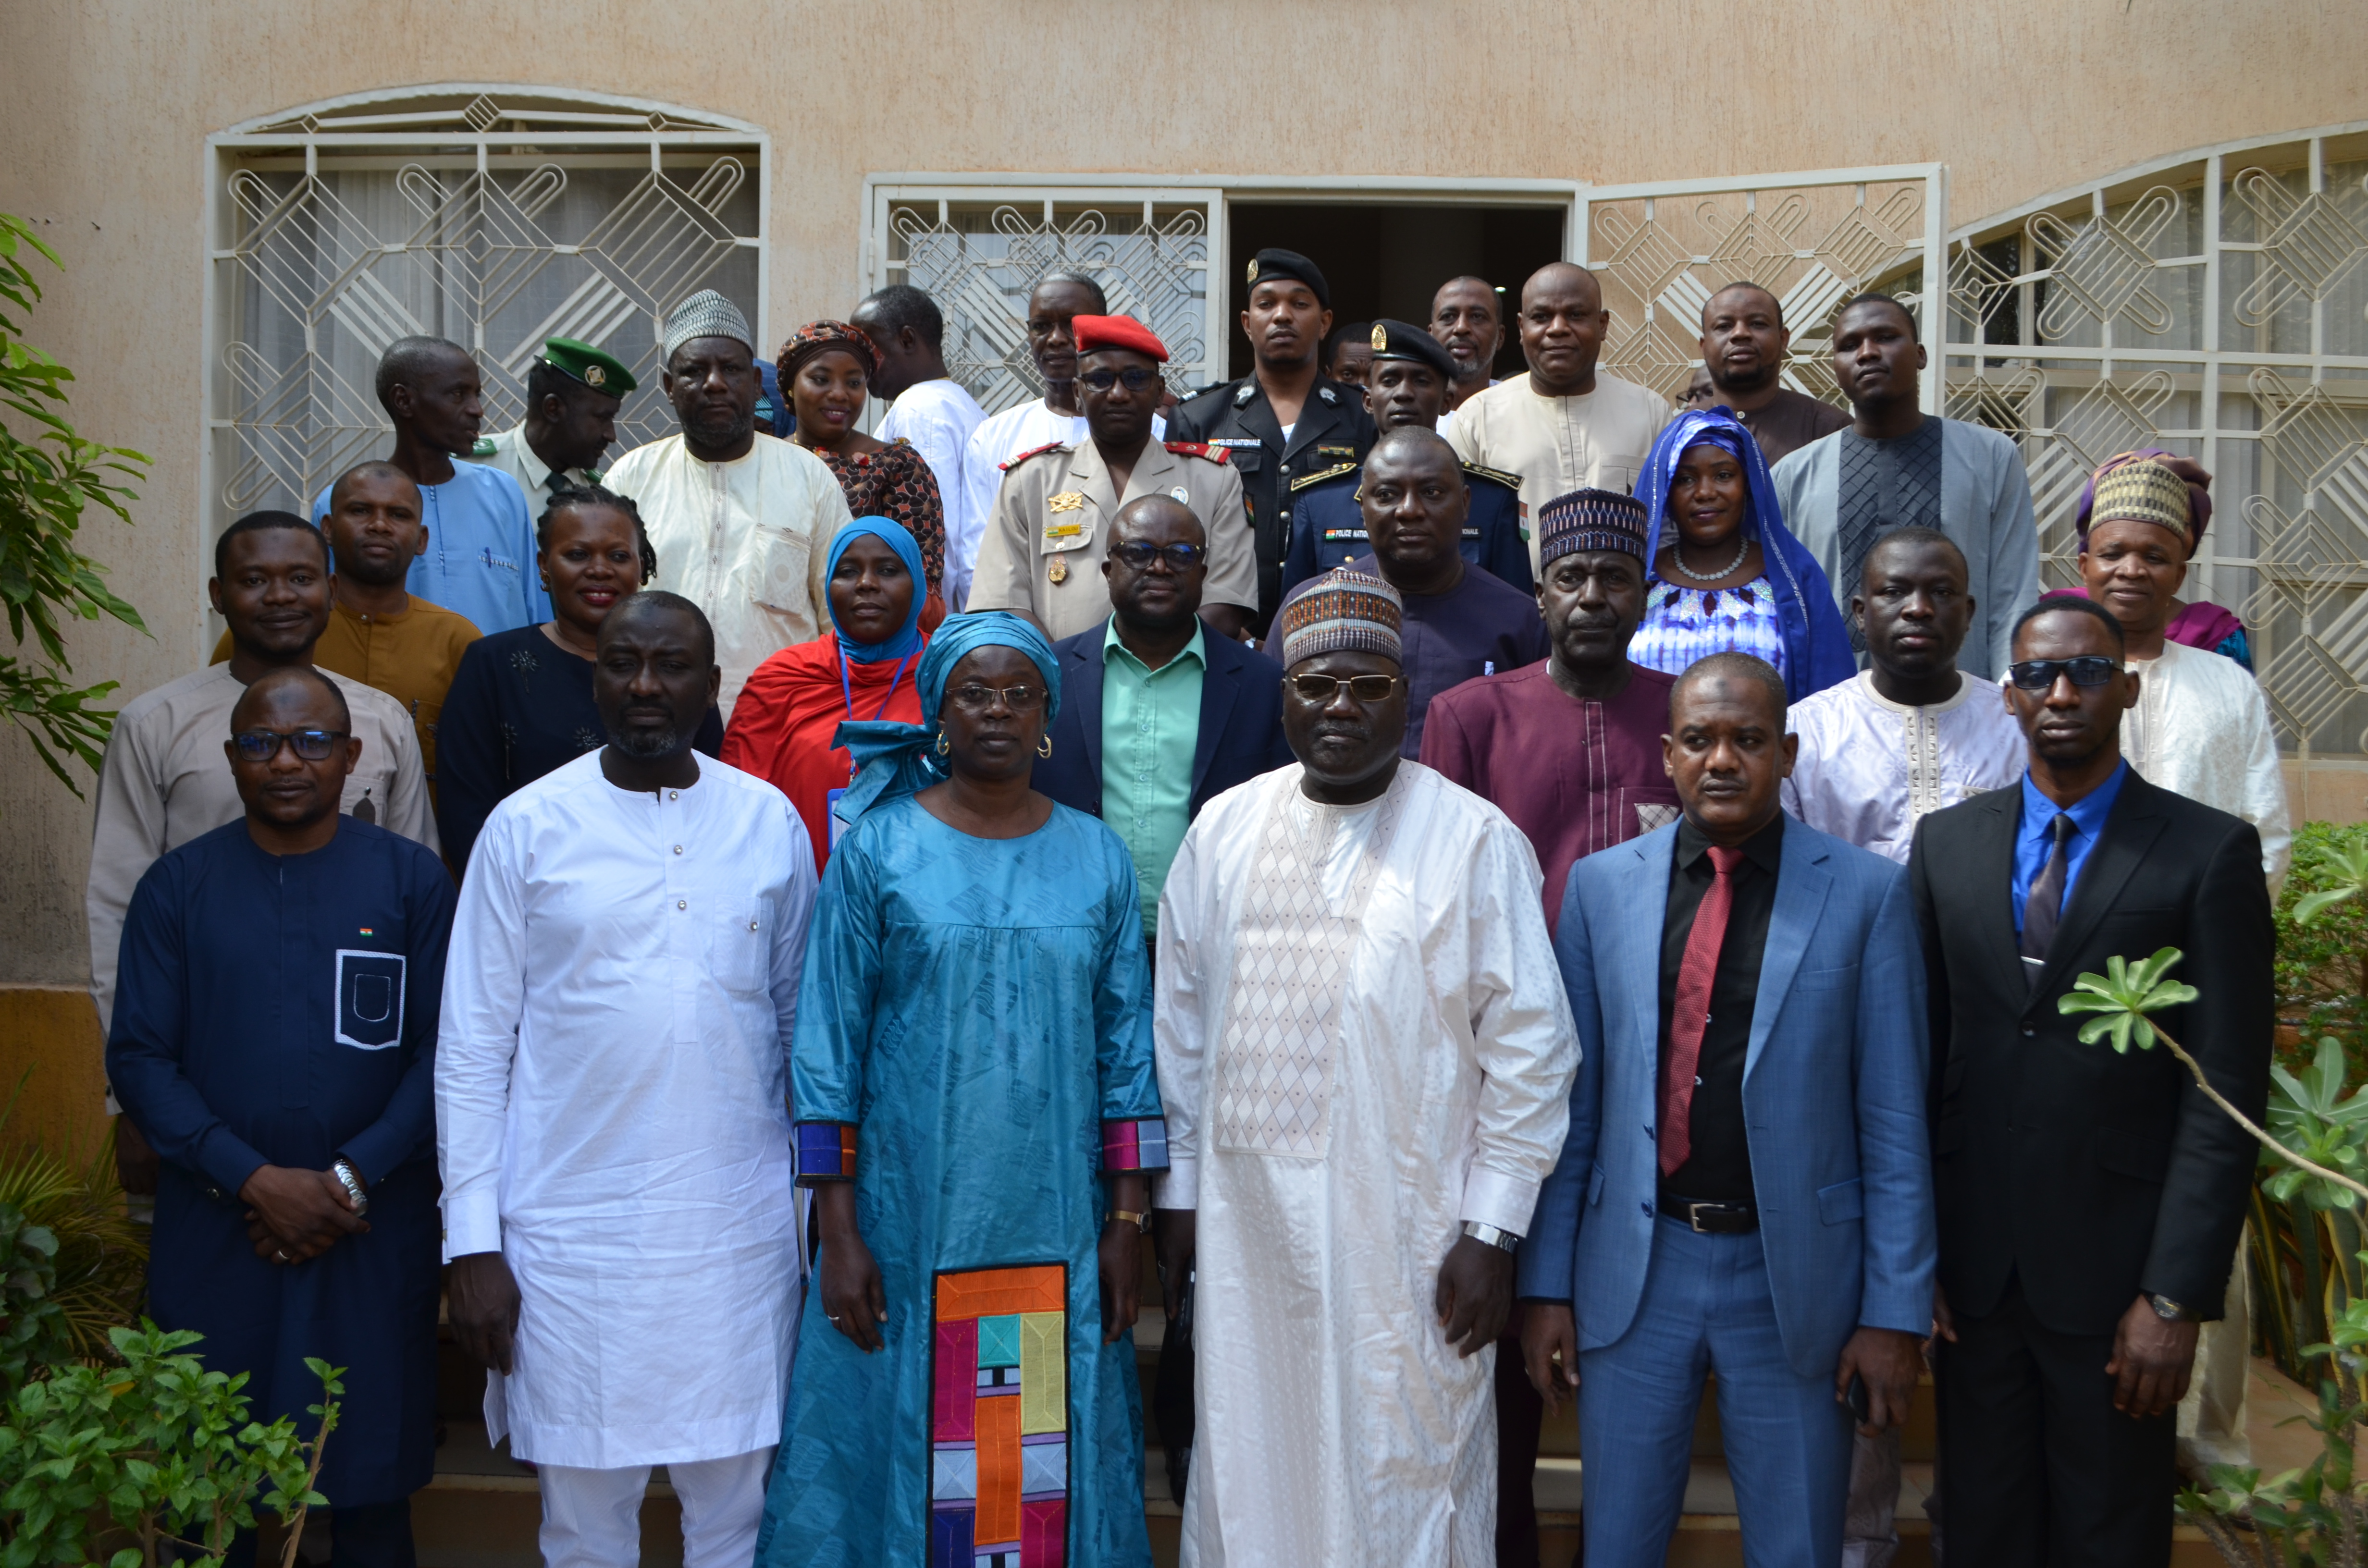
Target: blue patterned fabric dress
[
  {"x": 1682, "y": 624},
  {"x": 974, "y": 1040}
]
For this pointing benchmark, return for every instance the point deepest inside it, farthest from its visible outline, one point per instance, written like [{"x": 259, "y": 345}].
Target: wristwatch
[
  {"x": 350, "y": 1179},
  {"x": 1140, "y": 1221},
  {"x": 1504, "y": 1240},
  {"x": 2168, "y": 1310}
]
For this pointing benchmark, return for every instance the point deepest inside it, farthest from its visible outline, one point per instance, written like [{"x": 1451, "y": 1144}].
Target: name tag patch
[{"x": 369, "y": 999}]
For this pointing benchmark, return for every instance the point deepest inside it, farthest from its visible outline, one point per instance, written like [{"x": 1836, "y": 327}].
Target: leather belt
[{"x": 1712, "y": 1219}]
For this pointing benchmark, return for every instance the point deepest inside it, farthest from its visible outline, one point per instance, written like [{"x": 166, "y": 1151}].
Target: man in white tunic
[
  {"x": 926, "y": 405},
  {"x": 1563, "y": 425},
  {"x": 742, "y": 522},
  {"x": 1366, "y": 1058},
  {"x": 611, "y": 1113},
  {"x": 1914, "y": 732},
  {"x": 165, "y": 779}
]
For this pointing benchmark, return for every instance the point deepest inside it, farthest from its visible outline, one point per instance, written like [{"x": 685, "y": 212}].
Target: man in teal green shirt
[{"x": 1155, "y": 716}]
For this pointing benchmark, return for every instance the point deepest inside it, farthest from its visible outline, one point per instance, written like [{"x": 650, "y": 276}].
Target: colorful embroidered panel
[
  {"x": 1140, "y": 1145},
  {"x": 826, "y": 1151},
  {"x": 999, "y": 1418}
]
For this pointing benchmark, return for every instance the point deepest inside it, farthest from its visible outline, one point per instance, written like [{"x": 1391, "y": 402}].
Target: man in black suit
[
  {"x": 2090, "y": 1201},
  {"x": 1157, "y": 720}
]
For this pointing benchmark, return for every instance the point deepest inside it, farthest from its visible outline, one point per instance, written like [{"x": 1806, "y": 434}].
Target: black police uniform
[
  {"x": 1333, "y": 428},
  {"x": 1327, "y": 526}
]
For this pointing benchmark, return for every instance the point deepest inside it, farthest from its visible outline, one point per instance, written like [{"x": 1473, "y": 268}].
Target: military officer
[
  {"x": 1050, "y": 527},
  {"x": 1285, "y": 419},
  {"x": 1411, "y": 374},
  {"x": 572, "y": 397}
]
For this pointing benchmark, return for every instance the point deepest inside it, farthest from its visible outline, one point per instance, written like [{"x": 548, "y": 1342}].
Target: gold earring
[
  {"x": 1044, "y": 745},
  {"x": 943, "y": 749}
]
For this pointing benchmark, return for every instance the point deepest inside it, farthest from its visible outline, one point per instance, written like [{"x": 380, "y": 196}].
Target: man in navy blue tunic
[{"x": 274, "y": 1035}]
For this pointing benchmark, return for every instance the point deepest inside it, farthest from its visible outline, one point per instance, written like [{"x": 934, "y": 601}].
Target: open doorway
[{"x": 1388, "y": 259}]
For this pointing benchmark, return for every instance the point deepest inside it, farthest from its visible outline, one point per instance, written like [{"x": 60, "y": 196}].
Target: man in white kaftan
[
  {"x": 2203, "y": 731},
  {"x": 1366, "y": 1056},
  {"x": 741, "y": 521},
  {"x": 613, "y": 1128}
]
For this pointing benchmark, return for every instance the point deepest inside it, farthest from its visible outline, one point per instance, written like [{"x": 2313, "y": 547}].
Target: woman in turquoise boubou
[{"x": 977, "y": 1114}]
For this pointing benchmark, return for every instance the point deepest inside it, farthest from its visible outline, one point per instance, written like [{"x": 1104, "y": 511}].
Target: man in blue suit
[{"x": 1745, "y": 1188}]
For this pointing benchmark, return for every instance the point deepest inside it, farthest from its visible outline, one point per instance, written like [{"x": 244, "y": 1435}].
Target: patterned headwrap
[
  {"x": 706, "y": 314},
  {"x": 1591, "y": 519},
  {"x": 906, "y": 637},
  {"x": 893, "y": 760},
  {"x": 1343, "y": 611},
  {"x": 2190, "y": 473},
  {"x": 818, "y": 335}
]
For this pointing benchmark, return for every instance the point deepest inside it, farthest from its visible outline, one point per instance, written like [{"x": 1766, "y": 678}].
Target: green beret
[{"x": 600, "y": 370}]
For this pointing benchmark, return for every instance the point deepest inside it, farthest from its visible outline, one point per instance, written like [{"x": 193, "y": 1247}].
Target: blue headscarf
[
  {"x": 906, "y": 637},
  {"x": 1817, "y": 643},
  {"x": 894, "y": 759}
]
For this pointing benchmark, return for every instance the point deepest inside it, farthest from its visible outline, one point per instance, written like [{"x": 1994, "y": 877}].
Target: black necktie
[{"x": 2045, "y": 905}]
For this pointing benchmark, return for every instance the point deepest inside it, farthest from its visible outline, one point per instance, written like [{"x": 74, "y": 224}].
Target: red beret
[{"x": 1117, "y": 331}]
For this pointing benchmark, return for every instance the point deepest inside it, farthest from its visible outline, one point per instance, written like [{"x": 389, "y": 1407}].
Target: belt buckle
[{"x": 1693, "y": 1217}]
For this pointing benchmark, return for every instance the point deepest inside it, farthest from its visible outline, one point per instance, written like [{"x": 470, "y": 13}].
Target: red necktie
[{"x": 1689, "y": 1008}]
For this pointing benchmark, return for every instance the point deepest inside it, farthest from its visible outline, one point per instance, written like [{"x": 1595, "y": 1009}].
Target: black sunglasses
[
  {"x": 2041, "y": 674},
  {"x": 1136, "y": 377},
  {"x": 1322, "y": 690},
  {"x": 1139, "y": 557},
  {"x": 262, "y": 746}
]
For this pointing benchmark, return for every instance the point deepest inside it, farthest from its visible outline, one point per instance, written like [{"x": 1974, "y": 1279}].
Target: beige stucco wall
[{"x": 105, "y": 106}]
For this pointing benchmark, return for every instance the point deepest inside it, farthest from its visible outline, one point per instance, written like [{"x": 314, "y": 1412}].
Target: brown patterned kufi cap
[
  {"x": 1590, "y": 520},
  {"x": 1343, "y": 612},
  {"x": 2144, "y": 492}
]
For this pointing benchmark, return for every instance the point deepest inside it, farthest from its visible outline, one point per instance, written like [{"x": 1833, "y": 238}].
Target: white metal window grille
[
  {"x": 1661, "y": 249},
  {"x": 980, "y": 249},
  {"x": 497, "y": 217},
  {"x": 2210, "y": 304}
]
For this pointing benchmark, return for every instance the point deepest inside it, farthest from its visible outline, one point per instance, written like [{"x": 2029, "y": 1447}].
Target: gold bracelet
[{"x": 1140, "y": 1221}]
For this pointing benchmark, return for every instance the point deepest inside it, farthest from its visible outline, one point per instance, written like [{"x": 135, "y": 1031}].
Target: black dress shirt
[{"x": 1718, "y": 1169}]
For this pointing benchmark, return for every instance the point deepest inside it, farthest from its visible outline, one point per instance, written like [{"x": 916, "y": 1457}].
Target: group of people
[{"x": 803, "y": 915}]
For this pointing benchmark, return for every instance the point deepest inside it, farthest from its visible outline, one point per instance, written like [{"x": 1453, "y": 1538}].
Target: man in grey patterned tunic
[{"x": 1366, "y": 1058}]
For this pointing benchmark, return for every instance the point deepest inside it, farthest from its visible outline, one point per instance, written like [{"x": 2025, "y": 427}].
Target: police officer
[
  {"x": 572, "y": 397},
  {"x": 1050, "y": 528},
  {"x": 1411, "y": 374},
  {"x": 1285, "y": 419}
]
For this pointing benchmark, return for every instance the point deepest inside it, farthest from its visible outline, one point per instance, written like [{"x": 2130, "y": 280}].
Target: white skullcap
[{"x": 706, "y": 314}]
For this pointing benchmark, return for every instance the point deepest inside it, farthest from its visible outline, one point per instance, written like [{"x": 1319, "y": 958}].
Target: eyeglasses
[
  {"x": 2041, "y": 674},
  {"x": 262, "y": 746},
  {"x": 1320, "y": 689},
  {"x": 979, "y": 698},
  {"x": 1138, "y": 557},
  {"x": 1136, "y": 377}
]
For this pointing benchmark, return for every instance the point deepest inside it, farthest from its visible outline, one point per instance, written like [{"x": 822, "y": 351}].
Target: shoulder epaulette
[
  {"x": 1318, "y": 477},
  {"x": 1217, "y": 455},
  {"x": 1034, "y": 452},
  {"x": 1211, "y": 390},
  {"x": 1513, "y": 480}
]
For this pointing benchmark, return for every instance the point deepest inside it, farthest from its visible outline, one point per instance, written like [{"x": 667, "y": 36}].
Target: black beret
[
  {"x": 1401, "y": 340},
  {"x": 1291, "y": 264}
]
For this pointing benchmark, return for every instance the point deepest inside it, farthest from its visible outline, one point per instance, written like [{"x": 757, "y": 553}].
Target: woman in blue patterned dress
[{"x": 1726, "y": 576}]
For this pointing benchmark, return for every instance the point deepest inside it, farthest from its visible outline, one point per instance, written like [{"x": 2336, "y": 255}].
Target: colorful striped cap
[
  {"x": 1591, "y": 519},
  {"x": 2144, "y": 492},
  {"x": 1343, "y": 612}
]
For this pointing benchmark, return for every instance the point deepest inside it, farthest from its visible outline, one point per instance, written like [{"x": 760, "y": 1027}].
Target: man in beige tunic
[
  {"x": 1563, "y": 425},
  {"x": 1366, "y": 1056},
  {"x": 165, "y": 777},
  {"x": 742, "y": 522},
  {"x": 1042, "y": 555}
]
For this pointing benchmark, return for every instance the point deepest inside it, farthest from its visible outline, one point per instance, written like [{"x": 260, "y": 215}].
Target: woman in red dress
[
  {"x": 783, "y": 726},
  {"x": 826, "y": 369}
]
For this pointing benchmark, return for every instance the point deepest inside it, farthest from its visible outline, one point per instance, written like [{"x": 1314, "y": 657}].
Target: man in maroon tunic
[{"x": 1570, "y": 749}]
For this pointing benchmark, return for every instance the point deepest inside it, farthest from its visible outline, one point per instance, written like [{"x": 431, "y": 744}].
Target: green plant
[
  {"x": 33, "y": 1331},
  {"x": 159, "y": 1448},
  {"x": 49, "y": 476},
  {"x": 2322, "y": 931},
  {"x": 101, "y": 1257}
]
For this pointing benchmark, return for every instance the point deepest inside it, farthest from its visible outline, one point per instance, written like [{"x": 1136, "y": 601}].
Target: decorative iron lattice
[
  {"x": 344, "y": 233},
  {"x": 979, "y": 260},
  {"x": 1813, "y": 241},
  {"x": 2215, "y": 307}
]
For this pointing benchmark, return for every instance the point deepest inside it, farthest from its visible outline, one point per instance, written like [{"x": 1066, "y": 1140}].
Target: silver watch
[
  {"x": 2168, "y": 1310},
  {"x": 350, "y": 1179},
  {"x": 1504, "y": 1240}
]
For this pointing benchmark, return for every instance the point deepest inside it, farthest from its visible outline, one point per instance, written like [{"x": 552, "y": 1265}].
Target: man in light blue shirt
[{"x": 478, "y": 558}]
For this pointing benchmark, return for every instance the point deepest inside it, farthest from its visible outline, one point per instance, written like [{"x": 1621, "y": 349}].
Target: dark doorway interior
[{"x": 1387, "y": 260}]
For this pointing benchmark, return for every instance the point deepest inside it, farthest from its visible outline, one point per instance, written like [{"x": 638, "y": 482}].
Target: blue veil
[{"x": 894, "y": 759}]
